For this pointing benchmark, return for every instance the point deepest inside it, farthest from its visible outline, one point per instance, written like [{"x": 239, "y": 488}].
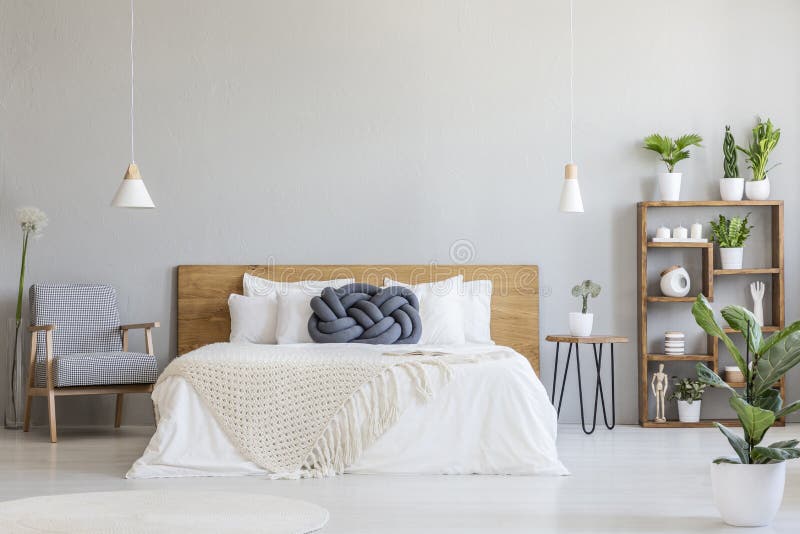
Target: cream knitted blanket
[{"x": 280, "y": 407}]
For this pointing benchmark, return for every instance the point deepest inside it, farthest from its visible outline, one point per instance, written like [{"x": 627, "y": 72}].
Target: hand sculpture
[{"x": 757, "y": 291}]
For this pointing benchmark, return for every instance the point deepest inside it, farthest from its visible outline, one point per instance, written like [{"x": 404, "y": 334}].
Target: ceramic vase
[
  {"x": 689, "y": 412},
  {"x": 669, "y": 185},
  {"x": 757, "y": 189},
  {"x": 748, "y": 495},
  {"x": 731, "y": 189},
  {"x": 580, "y": 324},
  {"x": 731, "y": 257}
]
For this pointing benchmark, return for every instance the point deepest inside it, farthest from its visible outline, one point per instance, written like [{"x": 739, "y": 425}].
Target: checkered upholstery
[{"x": 87, "y": 345}]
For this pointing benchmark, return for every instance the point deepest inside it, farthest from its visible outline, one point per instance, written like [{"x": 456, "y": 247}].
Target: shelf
[
  {"x": 667, "y": 244},
  {"x": 703, "y": 423},
  {"x": 671, "y": 299},
  {"x": 680, "y": 358},
  {"x": 707, "y": 203},
  {"x": 765, "y": 270},
  {"x": 763, "y": 329},
  {"x": 742, "y": 385}
]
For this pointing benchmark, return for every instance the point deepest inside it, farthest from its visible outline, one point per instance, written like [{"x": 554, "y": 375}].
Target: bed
[{"x": 485, "y": 410}]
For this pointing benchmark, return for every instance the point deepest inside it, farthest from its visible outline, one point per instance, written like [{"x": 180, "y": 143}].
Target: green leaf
[
  {"x": 707, "y": 376},
  {"x": 739, "y": 444},
  {"x": 771, "y": 455},
  {"x": 755, "y": 421},
  {"x": 769, "y": 400},
  {"x": 704, "y": 317},
  {"x": 778, "y": 336},
  {"x": 688, "y": 140},
  {"x": 726, "y": 460},
  {"x": 776, "y": 362},
  {"x": 743, "y": 320},
  {"x": 793, "y": 407},
  {"x": 786, "y": 444}
]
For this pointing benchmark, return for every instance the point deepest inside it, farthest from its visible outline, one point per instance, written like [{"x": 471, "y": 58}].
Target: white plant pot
[
  {"x": 689, "y": 412},
  {"x": 731, "y": 257},
  {"x": 669, "y": 185},
  {"x": 580, "y": 324},
  {"x": 757, "y": 190},
  {"x": 731, "y": 189},
  {"x": 748, "y": 495}
]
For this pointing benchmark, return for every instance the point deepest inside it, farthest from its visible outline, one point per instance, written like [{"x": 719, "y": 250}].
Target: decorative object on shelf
[
  {"x": 132, "y": 192},
  {"x": 575, "y": 343},
  {"x": 733, "y": 375},
  {"x": 32, "y": 221},
  {"x": 757, "y": 292},
  {"x": 580, "y": 323},
  {"x": 671, "y": 152},
  {"x": 675, "y": 281},
  {"x": 697, "y": 232},
  {"x": 765, "y": 139},
  {"x": 674, "y": 343},
  {"x": 659, "y": 384},
  {"x": 758, "y": 408},
  {"x": 571, "y": 200},
  {"x": 730, "y": 235},
  {"x": 662, "y": 232},
  {"x": 689, "y": 394},
  {"x": 731, "y": 186},
  {"x": 680, "y": 233}
]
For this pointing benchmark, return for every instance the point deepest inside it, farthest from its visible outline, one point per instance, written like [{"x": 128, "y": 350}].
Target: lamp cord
[
  {"x": 133, "y": 159},
  {"x": 571, "y": 79}
]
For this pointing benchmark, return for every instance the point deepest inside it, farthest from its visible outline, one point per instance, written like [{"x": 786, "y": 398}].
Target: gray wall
[{"x": 264, "y": 127}]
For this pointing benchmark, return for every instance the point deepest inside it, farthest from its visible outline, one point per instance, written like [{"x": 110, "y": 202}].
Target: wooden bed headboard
[{"x": 203, "y": 292}]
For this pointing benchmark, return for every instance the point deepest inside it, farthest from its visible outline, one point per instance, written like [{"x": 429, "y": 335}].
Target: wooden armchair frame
[{"x": 51, "y": 392}]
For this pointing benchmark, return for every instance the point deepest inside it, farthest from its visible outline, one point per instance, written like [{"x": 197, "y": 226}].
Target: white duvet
[{"x": 493, "y": 417}]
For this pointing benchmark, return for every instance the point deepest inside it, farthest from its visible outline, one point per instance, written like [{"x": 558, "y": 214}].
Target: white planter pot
[
  {"x": 669, "y": 185},
  {"x": 689, "y": 412},
  {"x": 731, "y": 189},
  {"x": 731, "y": 257},
  {"x": 757, "y": 190},
  {"x": 580, "y": 324},
  {"x": 748, "y": 495},
  {"x": 675, "y": 282}
]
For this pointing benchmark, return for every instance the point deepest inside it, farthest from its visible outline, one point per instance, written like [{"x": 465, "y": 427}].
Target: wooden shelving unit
[{"x": 775, "y": 270}]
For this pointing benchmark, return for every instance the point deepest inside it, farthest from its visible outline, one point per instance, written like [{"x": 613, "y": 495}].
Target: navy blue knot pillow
[{"x": 363, "y": 313}]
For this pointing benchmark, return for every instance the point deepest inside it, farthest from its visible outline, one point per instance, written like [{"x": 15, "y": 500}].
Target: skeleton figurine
[
  {"x": 757, "y": 291},
  {"x": 659, "y": 385}
]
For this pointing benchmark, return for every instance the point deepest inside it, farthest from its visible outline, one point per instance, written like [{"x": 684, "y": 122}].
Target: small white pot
[
  {"x": 669, "y": 185},
  {"x": 757, "y": 190},
  {"x": 731, "y": 257},
  {"x": 748, "y": 495},
  {"x": 731, "y": 189},
  {"x": 689, "y": 412},
  {"x": 580, "y": 324}
]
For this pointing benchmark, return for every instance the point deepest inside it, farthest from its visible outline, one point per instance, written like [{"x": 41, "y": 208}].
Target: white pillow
[
  {"x": 441, "y": 310},
  {"x": 477, "y": 308},
  {"x": 294, "y": 310},
  {"x": 253, "y": 319},
  {"x": 255, "y": 286}
]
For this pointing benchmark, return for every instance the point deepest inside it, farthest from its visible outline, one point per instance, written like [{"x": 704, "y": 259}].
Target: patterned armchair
[{"x": 78, "y": 347}]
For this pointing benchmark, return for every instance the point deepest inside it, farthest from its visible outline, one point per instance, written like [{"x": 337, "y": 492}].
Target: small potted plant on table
[
  {"x": 757, "y": 470},
  {"x": 689, "y": 394},
  {"x": 580, "y": 323},
  {"x": 730, "y": 235},
  {"x": 671, "y": 152},
  {"x": 765, "y": 139},
  {"x": 731, "y": 187}
]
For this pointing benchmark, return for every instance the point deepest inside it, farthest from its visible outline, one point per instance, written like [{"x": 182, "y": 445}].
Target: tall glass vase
[{"x": 14, "y": 385}]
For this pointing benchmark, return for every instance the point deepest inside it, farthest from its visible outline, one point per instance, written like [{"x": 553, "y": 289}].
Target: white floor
[{"x": 626, "y": 480}]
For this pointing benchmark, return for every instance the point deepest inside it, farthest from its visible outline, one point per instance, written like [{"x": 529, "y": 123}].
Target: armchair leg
[
  {"x": 26, "y": 426},
  {"x": 51, "y": 408},
  {"x": 118, "y": 416}
]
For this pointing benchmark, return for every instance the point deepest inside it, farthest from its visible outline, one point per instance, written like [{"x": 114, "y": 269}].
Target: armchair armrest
[
  {"x": 139, "y": 326},
  {"x": 42, "y": 328}
]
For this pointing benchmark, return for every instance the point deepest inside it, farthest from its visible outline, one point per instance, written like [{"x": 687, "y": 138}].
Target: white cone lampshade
[
  {"x": 571, "y": 201},
  {"x": 132, "y": 192}
]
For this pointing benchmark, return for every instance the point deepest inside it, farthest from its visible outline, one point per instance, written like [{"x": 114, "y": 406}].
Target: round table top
[{"x": 597, "y": 338}]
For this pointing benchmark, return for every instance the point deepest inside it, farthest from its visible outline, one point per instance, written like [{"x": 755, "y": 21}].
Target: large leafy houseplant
[
  {"x": 765, "y": 139},
  {"x": 766, "y": 361},
  {"x": 671, "y": 151}
]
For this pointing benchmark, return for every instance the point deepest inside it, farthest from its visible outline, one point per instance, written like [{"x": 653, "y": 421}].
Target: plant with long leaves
[
  {"x": 671, "y": 150},
  {"x": 765, "y": 139},
  {"x": 731, "y": 233},
  {"x": 766, "y": 361},
  {"x": 729, "y": 151},
  {"x": 584, "y": 290}
]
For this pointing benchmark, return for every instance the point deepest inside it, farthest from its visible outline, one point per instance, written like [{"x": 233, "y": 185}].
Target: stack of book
[{"x": 673, "y": 343}]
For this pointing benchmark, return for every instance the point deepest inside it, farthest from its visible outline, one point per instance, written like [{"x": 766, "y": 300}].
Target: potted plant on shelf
[
  {"x": 689, "y": 394},
  {"x": 765, "y": 139},
  {"x": 730, "y": 235},
  {"x": 671, "y": 152},
  {"x": 580, "y": 323},
  {"x": 758, "y": 470},
  {"x": 731, "y": 186}
]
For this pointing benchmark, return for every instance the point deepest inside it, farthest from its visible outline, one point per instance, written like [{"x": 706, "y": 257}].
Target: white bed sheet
[{"x": 494, "y": 417}]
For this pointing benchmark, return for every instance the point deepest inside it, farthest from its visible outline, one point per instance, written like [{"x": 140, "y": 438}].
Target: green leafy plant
[
  {"x": 731, "y": 233},
  {"x": 729, "y": 151},
  {"x": 765, "y": 139},
  {"x": 672, "y": 150},
  {"x": 584, "y": 290},
  {"x": 766, "y": 362},
  {"x": 687, "y": 389}
]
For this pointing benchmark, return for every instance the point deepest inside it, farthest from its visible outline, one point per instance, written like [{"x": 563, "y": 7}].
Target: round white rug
[{"x": 161, "y": 511}]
